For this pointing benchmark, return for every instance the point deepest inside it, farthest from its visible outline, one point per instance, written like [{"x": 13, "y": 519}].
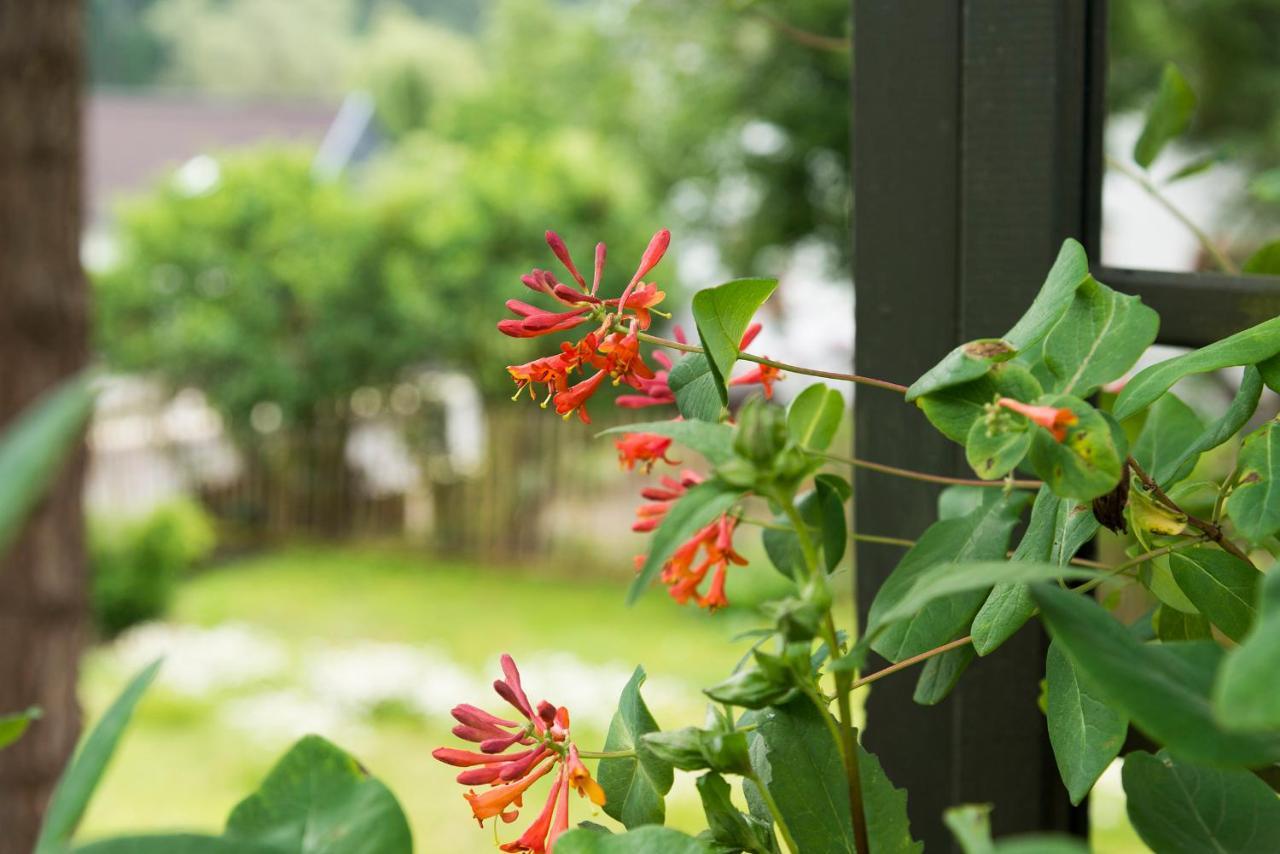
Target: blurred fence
[{"x": 540, "y": 485}]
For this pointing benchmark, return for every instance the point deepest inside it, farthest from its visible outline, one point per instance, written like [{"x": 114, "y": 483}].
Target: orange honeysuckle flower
[
  {"x": 762, "y": 375},
  {"x": 1052, "y": 418},
  {"x": 574, "y": 399},
  {"x": 544, "y": 739},
  {"x": 643, "y": 449}
]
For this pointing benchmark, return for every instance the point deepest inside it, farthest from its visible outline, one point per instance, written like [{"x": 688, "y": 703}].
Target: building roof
[{"x": 131, "y": 139}]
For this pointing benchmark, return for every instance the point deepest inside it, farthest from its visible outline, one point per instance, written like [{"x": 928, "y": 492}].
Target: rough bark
[{"x": 43, "y": 335}]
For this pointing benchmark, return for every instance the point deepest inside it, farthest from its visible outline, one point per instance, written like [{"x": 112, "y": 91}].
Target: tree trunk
[{"x": 43, "y": 338}]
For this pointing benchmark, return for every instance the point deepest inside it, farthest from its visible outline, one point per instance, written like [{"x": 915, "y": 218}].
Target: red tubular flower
[
  {"x": 644, "y": 449},
  {"x": 1052, "y": 418},
  {"x": 649, "y": 515},
  {"x": 546, "y": 744},
  {"x": 574, "y": 399},
  {"x": 535, "y": 321},
  {"x": 762, "y": 375},
  {"x": 561, "y": 251}
]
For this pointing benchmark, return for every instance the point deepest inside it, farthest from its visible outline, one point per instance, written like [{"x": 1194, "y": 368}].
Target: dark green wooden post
[{"x": 971, "y": 154}]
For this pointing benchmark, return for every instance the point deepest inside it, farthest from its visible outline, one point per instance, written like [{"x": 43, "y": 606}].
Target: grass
[{"x": 182, "y": 765}]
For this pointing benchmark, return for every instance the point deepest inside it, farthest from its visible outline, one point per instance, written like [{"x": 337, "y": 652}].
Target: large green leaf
[
  {"x": 1169, "y": 115},
  {"x": 1221, "y": 586},
  {"x": 1163, "y": 689},
  {"x": 1270, "y": 371},
  {"x": 13, "y": 725},
  {"x": 645, "y": 840},
  {"x": 33, "y": 447},
  {"x": 1236, "y": 416},
  {"x": 1085, "y": 731},
  {"x": 318, "y": 799},
  {"x": 1087, "y": 463},
  {"x": 1247, "y": 347},
  {"x": 694, "y": 385},
  {"x": 822, "y": 509},
  {"x": 723, "y": 314},
  {"x": 1170, "y": 432},
  {"x": 888, "y": 825},
  {"x": 964, "y": 364},
  {"x": 814, "y": 416},
  {"x": 80, "y": 779},
  {"x": 634, "y": 786},
  {"x": 1254, "y": 504},
  {"x": 1056, "y": 531},
  {"x": 940, "y": 675},
  {"x": 697, "y": 508},
  {"x": 994, "y": 450},
  {"x": 713, "y": 441},
  {"x": 983, "y": 534},
  {"x": 1069, "y": 270},
  {"x": 1247, "y": 694},
  {"x": 1173, "y": 625},
  {"x": 1182, "y": 808},
  {"x": 954, "y": 410},
  {"x": 799, "y": 762},
  {"x": 174, "y": 843},
  {"x": 1099, "y": 338}
]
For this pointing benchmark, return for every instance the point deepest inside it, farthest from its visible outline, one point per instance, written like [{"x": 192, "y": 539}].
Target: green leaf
[
  {"x": 723, "y": 314},
  {"x": 1247, "y": 347},
  {"x": 33, "y": 448},
  {"x": 1197, "y": 166},
  {"x": 693, "y": 384},
  {"x": 646, "y": 840},
  {"x": 1085, "y": 731},
  {"x": 981, "y": 535},
  {"x": 1178, "y": 806},
  {"x": 814, "y": 416},
  {"x": 971, "y": 826},
  {"x": 889, "y": 829},
  {"x": 1236, "y": 416},
  {"x": 953, "y": 410},
  {"x": 1070, "y": 269},
  {"x": 1169, "y": 116},
  {"x": 941, "y": 674},
  {"x": 175, "y": 843},
  {"x": 1264, "y": 262},
  {"x": 822, "y": 509},
  {"x": 727, "y": 825},
  {"x": 1254, "y": 503},
  {"x": 1247, "y": 694},
  {"x": 80, "y": 779},
  {"x": 1099, "y": 338},
  {"x": 1087, "y": 463},
  {"x": 1171, "y": 430},
  {"x": 962, "y": 365},
  {"x": 697, "y": 508},
  {"x": 1265, "y": 186},
  {"x": 634, "y": 786},
  {"x": 1220, "y": 585},
  {"x": 1174, "y": 625},
  {"x": 1056, "y": 531},
  {"x": 12, "y": 726},
  {"x": 799, "y": 762},
  {"x": 1270, "y": 371},
  {"x": 945, "y": 580},
  {"x": 316, "y": 799},
  {"x": 1163, "y": 689},
  {"x": 993, "y": 453},
  {"x": 713, "y": 441}
]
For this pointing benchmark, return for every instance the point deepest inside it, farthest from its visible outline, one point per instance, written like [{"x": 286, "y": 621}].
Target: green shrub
[{"x": 136, "y": 564}]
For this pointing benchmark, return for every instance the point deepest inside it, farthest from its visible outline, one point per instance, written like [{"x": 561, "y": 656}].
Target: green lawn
[{"x": 191, "y": 754}]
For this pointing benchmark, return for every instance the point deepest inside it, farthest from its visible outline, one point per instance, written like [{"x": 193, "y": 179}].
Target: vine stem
[
  {"x": 1153, "y": 191},
  {"x": 782, "y": 366},
  {"x": 778, "y": 819},
  {"x": 925, "y": 476},
  {"x": 606, "y": 754},
  {"x": 846, "y": 734},
  {"x": 1209, "y": 529}
]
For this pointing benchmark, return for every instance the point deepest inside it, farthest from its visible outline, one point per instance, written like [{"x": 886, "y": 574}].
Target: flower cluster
[
  {"x": 1052, "y": 418},
  {"x": 612, "y": 349},
  {"x": 543, "y": 745},
  {"x": 643, "y": 450},
  {"x": 684, "y": 572}
]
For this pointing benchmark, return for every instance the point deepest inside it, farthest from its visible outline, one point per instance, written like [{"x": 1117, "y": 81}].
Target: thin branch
[
  {"x": 1210, "y": 530},
  {"x": 926, "y": 477},
  {"x": 915, "y": 659},
  {"x": 807, "y": 38},
  {"x": 1152, "y": 190}
]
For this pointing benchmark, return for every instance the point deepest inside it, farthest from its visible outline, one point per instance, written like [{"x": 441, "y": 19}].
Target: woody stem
[
  {"x": 782, "y": 366},
  {"x": 1210, "y": 530},
  {"x": 925, "y": 476}
]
